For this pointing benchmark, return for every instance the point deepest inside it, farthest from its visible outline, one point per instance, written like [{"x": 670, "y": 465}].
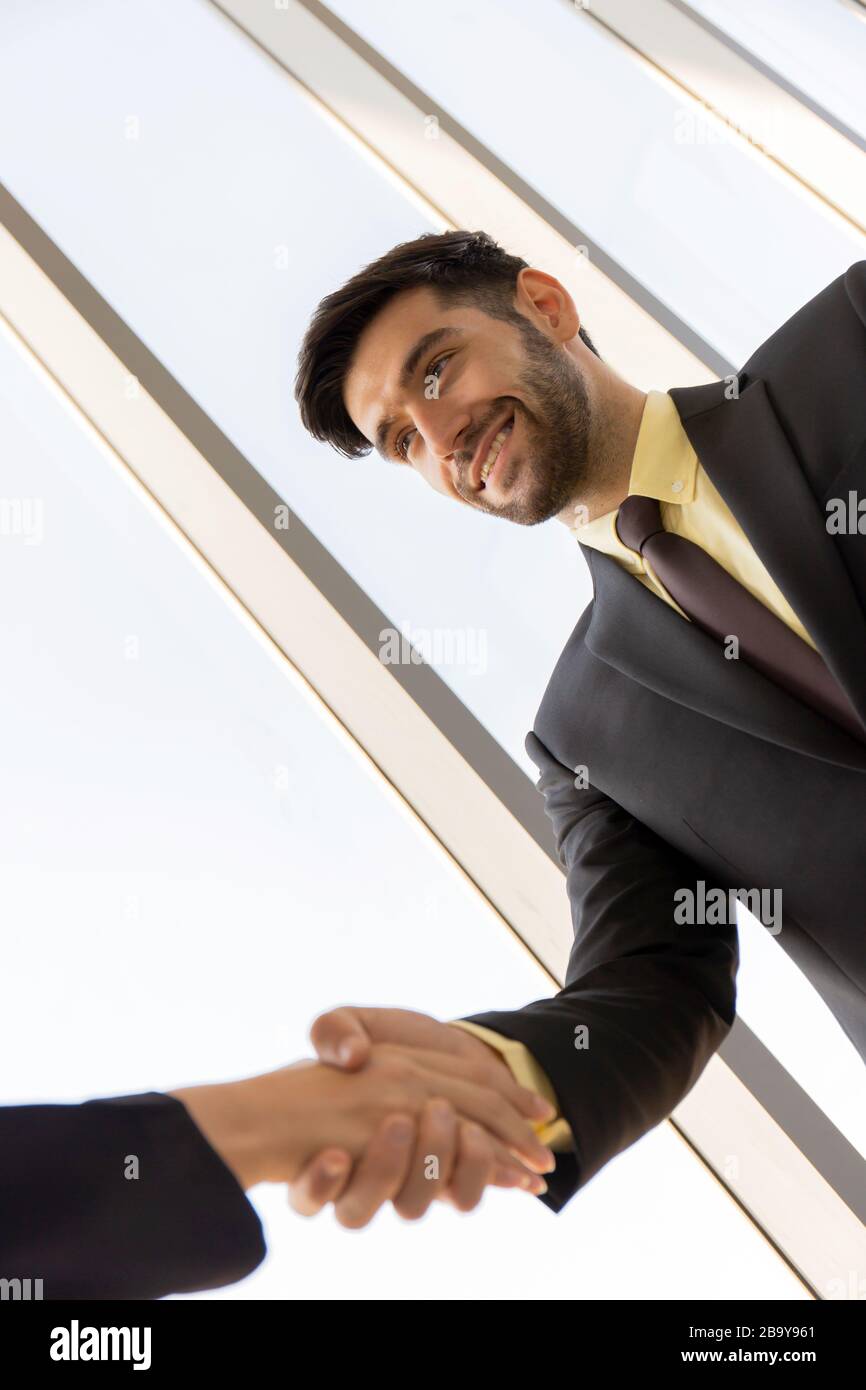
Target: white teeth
[{"x": 494, "y": 450}]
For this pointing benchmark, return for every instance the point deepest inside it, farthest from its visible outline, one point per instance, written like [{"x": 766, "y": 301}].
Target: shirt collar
[{"x": 664, "y": 466}]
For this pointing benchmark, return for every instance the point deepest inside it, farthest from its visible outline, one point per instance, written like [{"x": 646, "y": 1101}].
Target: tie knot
[{"x": 638, "y": 518}]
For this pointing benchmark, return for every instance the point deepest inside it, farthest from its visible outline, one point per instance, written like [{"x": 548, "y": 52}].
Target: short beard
[{"x": 558, "y": 418}]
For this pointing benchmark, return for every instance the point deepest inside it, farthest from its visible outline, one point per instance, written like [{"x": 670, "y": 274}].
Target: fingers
[
  {"x": 445, "y": 1164},
  {"x": 356, "y": 1028},
  {"x": 380, "y": 1173},
  {"x": 494, "y": 1074},
  {"x": 433, "y": 1162},
  {"x": 320, "y": 1182},
  {"x": 341, "y": 1038},
  {"x": 475, "y": 1169},
  {"x": 482, "y": 1162},
  {"x": 487, "y": 1105},
  {"x": 454, "y": 1161},
  {"x": 498, "y": 1117},
  {"x": 510, "y": 1172}
]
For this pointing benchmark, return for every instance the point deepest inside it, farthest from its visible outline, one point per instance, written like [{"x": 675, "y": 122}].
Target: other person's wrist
[{"x": 232, "y": 1120}]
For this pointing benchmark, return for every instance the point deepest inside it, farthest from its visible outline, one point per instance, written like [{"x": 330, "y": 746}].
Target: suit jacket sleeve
[
  {"x": 71, "y": 1216},
  {"x": 646, "y": 1001}
]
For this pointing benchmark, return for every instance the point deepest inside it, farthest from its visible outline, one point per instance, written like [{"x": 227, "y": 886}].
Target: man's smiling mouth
[{"x": 495, "y": 450}]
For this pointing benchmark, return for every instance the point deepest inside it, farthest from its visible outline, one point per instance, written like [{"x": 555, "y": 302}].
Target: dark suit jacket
[
  {"x": 700, "y": 768},
  {"x": 70, "y": 1217}
]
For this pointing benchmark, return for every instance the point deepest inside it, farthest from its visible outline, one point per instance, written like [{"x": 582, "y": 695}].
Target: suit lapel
[
  {"x": 633, "y": 631},
  {"x": 745, "y": 454}
]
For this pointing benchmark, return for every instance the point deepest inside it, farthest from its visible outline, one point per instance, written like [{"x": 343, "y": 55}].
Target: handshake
[{"x": 399, "y": 1107}]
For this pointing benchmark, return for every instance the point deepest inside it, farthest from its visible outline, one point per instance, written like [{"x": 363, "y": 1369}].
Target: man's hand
[
  {"x": 345, "y": 1037},
  {"x": 348, "y": 1038}
]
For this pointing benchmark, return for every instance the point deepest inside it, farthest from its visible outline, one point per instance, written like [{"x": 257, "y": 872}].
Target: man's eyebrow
[{"x": 407, "y": 372}]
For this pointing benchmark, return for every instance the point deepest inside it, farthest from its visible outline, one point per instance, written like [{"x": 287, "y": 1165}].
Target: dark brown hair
[{"x": 461, "y": 267}]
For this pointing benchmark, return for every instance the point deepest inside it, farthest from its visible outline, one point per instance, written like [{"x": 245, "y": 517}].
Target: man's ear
[{"x": 548, "y": 304}]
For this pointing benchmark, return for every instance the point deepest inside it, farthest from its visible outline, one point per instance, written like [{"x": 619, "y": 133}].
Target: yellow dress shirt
[{"x": 665, "y": 466}]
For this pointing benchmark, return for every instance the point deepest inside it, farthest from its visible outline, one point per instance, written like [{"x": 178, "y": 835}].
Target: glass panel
[
  {"x": 208, "y": 226},
  {"x": 615, "y": 146},
  {"x": 178, "y": 906},
  {"x": 820, "y": 48}
]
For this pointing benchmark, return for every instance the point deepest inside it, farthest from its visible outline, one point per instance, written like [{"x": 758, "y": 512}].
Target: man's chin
[
  {"x": 533, "y": 504},
  {"x": 539, "y": 507}
]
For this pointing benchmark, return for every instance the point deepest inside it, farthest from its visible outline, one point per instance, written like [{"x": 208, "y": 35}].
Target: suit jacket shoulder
[{"x": 814, "y": 369}]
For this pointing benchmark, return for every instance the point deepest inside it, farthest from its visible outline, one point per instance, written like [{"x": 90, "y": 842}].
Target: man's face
[{"x": 437, "y": 405}]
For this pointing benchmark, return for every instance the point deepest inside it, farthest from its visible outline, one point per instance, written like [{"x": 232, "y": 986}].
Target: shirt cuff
[{"x": 555, "y": 1133}]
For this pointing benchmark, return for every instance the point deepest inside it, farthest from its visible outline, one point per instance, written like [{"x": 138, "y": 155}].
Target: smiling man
[
  {"x": 702, "y": 735},
  {"x": 503, "y": 422}
]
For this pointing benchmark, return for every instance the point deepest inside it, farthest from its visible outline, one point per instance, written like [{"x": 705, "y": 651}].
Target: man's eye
[
  {"x": 433, "y": 370},
  {"x": 434, "y": 367}
]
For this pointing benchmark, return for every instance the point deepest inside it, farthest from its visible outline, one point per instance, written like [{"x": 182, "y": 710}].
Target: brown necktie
[{"x": 720, "y": 605}]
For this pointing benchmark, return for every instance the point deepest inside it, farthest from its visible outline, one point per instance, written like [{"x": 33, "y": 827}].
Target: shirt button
[{"x": 677, "y": 486}]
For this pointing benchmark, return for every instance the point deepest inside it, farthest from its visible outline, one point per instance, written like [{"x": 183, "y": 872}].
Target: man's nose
[{"x": 443, "y": 433}]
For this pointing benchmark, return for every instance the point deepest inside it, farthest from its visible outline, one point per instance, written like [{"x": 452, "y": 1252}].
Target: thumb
[{"x": 340, "y": 1038}]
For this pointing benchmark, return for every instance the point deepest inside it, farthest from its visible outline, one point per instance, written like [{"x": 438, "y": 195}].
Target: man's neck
[{"x": 618, "y": 414}]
